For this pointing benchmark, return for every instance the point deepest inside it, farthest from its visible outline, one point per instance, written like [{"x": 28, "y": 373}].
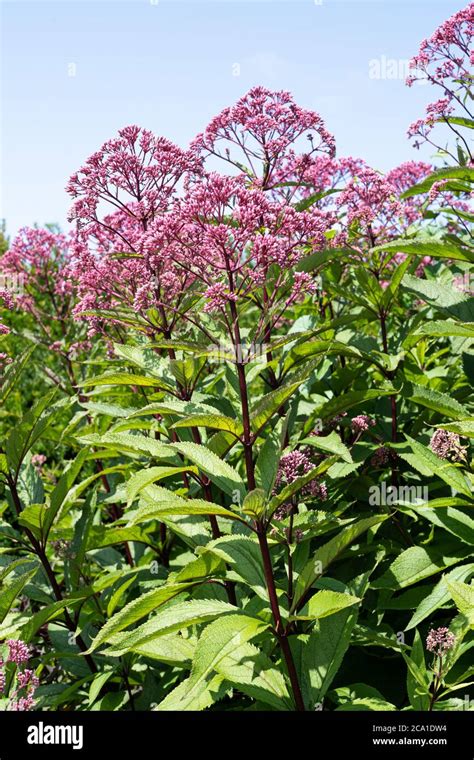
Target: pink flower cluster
[
  {"x": 38, "y": 460},
  {"x": 361, "y": 423},
  {"x": 19, "y": 652},
  {"x": 440, "y": 641},
  {"x": 292, "y": 466},
  {"x": 447, "y": 445},
  {"x": 37, "y": 260},
  {"x": 158, "y": 232},
  {"x": 21, "y": 697},
  {"x": 258, "y": 136},
  {"x": 141, "y": 244},
  {"x": 135, "y": 173},
  {"x": 445, "y": 60}
]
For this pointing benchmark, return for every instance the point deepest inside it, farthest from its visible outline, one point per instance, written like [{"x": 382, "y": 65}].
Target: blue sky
[{"x": 75, "y": 72}]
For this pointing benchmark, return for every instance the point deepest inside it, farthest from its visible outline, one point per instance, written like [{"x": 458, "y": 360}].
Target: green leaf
[
  {"x": 445, "y": 329},
  {"x": 435, "y": 400},
  {"x": 417, "y": 678},
  {"x": 325, "y": 603},
  {"x": 266, "y": 466},
  {"x": 443, "y": 297},
  {"x": 144, "y": 478},
  {"x": 214, "y": 421},
  {"x": 137, "y": 609},
  {"x": 437, "y": 249},
  {"x": 127, "y": 378},
  {"x": 129, "y": 443},
  {"x": 243, "y": 555},
  {"x": 98, "y": 682},
  {"x": 428, "y": 460},
  {"x": 206, "y": 564},
  {"x": 464, "y": 173},
  {"x": 173, "y": 407},
  {"x": 172, "y": 649},
  {"x": 32, "y": 425},
  {"x": 63, "y": 488},
  {"x": 51, "y": 612},
  {"x": 101, "y": 536},
  {"x": 329, "y": 552},
  {"x": 219, "y": 471},
  {"x": 450, "y": 519},
  {"x": 367, "y": 703},
  {"x": 264, "y": 410},
  {"x": 205, "y": 693},
  {"x": 319, "y": 655},
  {"x": 440, "y": 595},
  {"x": 117, "y": 595},
  {"x": 463, "y": 597},
  {"x": 254, "y": 674},
  {"x": 255, "y": 503},
  {"x": 346, "y": 401},
  {"x": 318, "y": 259},
  {"x": 11, "y": 375},
  {"x": 12, "y": 591},
  {"x": 331, "y": 443},
  {"x": 153, "y": 511},
  {"x": 219, "y": 640},
  {"x": 415, "y": 564},
  {"x": 174, "y": 617}
]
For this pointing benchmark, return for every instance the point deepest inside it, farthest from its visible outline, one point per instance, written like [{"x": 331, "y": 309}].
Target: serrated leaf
[
  {"x": 445, "y": 249},
  {"x": 331, "y": 443},
  {"x": 325, "y": 603},
  {"x": 463, "y": 597},
  {"x": 152, "y": 511},
  {"x": 243, "y": 555},
  {"x": 138, "y": 609},
  {"x": 12, "y": 591},
  {"x": 439, "y": 596},
  {"x": 327, "y": 553},
  {"x": 346, "y": 401},
  {"x": 144, "y": 478},
  {"x": 218, "y": 640},
  {"x": 254, "y": 674},
  {"x": 437, "y": 401},
  {"x": 214, "y": 421},
  {"x": 219, "y": 471},
  {"x": 416, "y": 563},
  {"x": 439, "y": 467},
  {"x": 127, "y": 442},
  {"x": 173, "y": 617}
]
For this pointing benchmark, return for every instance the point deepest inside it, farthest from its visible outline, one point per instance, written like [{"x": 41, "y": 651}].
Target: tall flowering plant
[{"x": 264, "y": 469}]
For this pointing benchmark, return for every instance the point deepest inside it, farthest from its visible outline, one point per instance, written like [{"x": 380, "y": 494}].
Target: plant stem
[
  {"x": 261, "y": 528},
  {"x": 393, "y": 409},
  {"x": 41, "y": 554}
]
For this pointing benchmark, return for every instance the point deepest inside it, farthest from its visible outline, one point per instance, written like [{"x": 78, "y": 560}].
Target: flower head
[
  {"x": 440, "y": 640},
  {"x": 19, "y": 652},
  {"x": 447, "y": 445},
  {"x": 361, "y": 423},
  {"x": 259, "y": 134}
]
